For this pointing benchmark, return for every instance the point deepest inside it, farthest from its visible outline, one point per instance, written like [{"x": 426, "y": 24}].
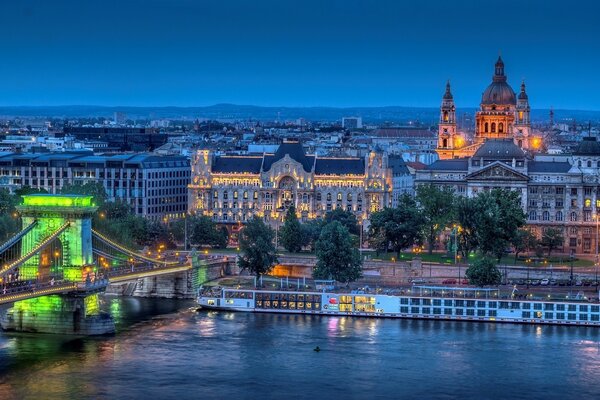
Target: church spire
[
  {"x": 499, "y": 71},
  {"x": 448, "y": 94}
]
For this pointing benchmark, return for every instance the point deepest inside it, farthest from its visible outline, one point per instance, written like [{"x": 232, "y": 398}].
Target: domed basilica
[{"x": 501, "y": 115}]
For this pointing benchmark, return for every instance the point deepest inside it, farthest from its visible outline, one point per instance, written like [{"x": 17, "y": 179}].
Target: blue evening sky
[{"x": 295, "y": 53}]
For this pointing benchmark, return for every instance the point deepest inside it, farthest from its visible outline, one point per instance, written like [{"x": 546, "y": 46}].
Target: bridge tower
[
  {"x": 58, "y": 245},
  {"x": 69, "y": 218}
]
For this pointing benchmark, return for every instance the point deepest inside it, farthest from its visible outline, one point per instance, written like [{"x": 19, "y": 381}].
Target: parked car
[
  {"x": 449, "y": 281},
  {"x": 553, "y": 282},
  {"x": 544, "y": 282}
]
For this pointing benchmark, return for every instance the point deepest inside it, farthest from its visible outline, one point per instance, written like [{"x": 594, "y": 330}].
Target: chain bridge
[{"x": 53, "y": 270}]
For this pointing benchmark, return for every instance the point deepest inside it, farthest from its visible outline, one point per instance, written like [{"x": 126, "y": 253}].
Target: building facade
[
  {"x": 558, "y": 191},
  {"x": 501, "y": 115},
  {"x": 232, "y": 189},
  {"x": 154, "y": 186}
]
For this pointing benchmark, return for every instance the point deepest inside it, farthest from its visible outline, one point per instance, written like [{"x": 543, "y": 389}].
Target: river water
[{"x": 166, "y": 350}]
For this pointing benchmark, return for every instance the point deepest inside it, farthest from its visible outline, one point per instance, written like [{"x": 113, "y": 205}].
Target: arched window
[
  {"x": 319, "y": 196},
  {"x": 359, "y": 198},
  {"x": 445, "y": 143},
  {"x": 545, "y": 216},
  {"x": 589, "y": 164},
  {"x": 486, "y": 127},
  {"x": 446, "y": 116},
  {"x": 500, "y": 127},
  {"x": 573, "y": 216},
  {"x": 587, "y": 202},
  {"x": 493, "y": 127},
  {"x": 339, "y": 197},
  {"x": 328, "y": 196},
  {"x": 520, "y": 143},
  {"x": 579, "y": 163},
  {"x": 533, "y": 215},
  {"x": 559, "y": 216},
  {"x": 349, "y": 197}
]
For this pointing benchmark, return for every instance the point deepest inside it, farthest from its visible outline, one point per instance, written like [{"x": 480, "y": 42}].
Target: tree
[
  {"x": 437, "y": 206},
  {"x": 95, "y": 189},
  {"x": 291, "y": 232},
  {"x": 202, "y": 231},
  {"x": 498, "y": 217},
  {"x": 523, "y": 241},
  {"x": 311, "y": 230},
  {"x": 346, "y": 218},
  {"x": 336, "y": 257},
  {"x": 483, "y": 272},
  {"x": 551, "y": 239},
  {"x": 466, "y": 211},
  {"x": 258, "y": 254},
  {"x": 8, "y": 202},
  {"x": 398, "y": 227},
  {"x": 24, "y": 190}
]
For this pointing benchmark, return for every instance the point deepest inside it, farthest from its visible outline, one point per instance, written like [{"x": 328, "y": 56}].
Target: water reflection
[{"x": 165, "y": 350}]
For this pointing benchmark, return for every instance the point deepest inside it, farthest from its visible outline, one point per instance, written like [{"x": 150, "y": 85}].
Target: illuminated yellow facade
[
  {"x": 232, "y": 189},
  {"x": 502, "y": 115}
]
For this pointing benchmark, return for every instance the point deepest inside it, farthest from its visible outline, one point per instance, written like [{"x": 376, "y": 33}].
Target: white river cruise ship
[{"x": 420, "y": 302}]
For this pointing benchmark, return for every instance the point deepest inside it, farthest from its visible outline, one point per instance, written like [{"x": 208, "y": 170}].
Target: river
[{"x": 164, "y": 349}]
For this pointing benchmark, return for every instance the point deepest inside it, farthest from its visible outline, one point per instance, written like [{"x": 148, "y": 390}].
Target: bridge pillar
[{"x": 58, "y": 314}]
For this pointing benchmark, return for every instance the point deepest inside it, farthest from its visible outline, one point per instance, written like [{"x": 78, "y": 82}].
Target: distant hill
[{"x": 392, "y": 114}]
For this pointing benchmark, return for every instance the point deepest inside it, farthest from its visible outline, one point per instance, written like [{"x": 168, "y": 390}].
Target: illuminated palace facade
[
  {"x": 502, "y": 115},
  {"x": 232, "y": 189}
]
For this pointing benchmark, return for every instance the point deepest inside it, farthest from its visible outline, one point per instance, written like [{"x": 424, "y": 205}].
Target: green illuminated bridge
[{"x": 52, "y": 271}]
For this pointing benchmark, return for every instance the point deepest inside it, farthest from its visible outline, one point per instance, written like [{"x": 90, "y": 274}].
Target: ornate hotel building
[
  {"x": 502, "y": 115},
  {"x": 232, "y": 189}
]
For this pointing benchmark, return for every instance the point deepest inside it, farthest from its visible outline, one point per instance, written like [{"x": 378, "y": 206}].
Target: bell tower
[
  {"x": 522, "y": 127},
  {"x": 447, "y": 126}
]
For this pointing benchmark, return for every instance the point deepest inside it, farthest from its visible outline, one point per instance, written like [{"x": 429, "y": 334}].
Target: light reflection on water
[{"x": 163, "y": 350}]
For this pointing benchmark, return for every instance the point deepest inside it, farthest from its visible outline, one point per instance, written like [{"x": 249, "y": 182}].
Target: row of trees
[{"x": 337, "y": 255}]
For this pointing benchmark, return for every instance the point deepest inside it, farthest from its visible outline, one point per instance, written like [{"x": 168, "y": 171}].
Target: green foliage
[
  {"x": 437, "y": 207},
  {"x": 398, "y": 228},
  {"x": 337, "y": 258},
  {"x": 8, "y": 202},
  {"x": 9, "y": 226},
  {"x": 483, "y": 272},
  {"x": 202, "y": 231},
  {"x": 498, "y": 217},
  {"x": 466, "y": 212},
  {"x": 551, "y": 239},
  {"x": 346, "y": 218},
  {"x": 95, "y": 189},
  {"x": 258, "y": 254},
  {"x": 311, "y": 230},
  {"x": 523, "y": 241},
  {"x": 291, "y": 234}
]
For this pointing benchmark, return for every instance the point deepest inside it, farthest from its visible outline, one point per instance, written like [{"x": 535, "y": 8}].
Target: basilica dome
[{"x": 499, "y": 92}]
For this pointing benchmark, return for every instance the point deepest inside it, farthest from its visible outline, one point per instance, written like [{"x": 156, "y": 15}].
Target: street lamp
[{"x": 527, "y": 264}]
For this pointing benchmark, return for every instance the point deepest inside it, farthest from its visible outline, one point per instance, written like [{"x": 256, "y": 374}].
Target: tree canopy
[
  {"x": 483, "y": 272},
  {"x": 552, "y": 238},
  {"x": 258, "y": 254},
  {"x": 291, "y": 233},
  {"x": 337, "y": 258},
  {"x": 437, "y": 209},
  {"x": 346, "y": 218},
  {"x": 398, "y": 228}
]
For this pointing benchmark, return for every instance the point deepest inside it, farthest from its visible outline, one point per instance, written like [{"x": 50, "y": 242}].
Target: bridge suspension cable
[
  {"x": 40, "y": 246},
  {"x": 13, "y": 240},
  {"x": 129, "y": 252}
]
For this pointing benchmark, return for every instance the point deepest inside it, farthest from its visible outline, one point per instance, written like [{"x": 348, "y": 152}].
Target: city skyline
[{"x": 186, "y": 53}]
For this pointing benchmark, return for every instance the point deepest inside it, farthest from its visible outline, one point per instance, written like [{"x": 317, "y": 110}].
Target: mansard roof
[
  {"x": 460, "y": 164},
  {"x": 589, "y": 146},
  {"x": 397, "y": 164},
  {"x": 499, "y": 149},
  {"x": 239, "y": 164},
  {"x": 548, "y": 166},
  {"x": 339, "y": 166},
  {"x": 294, "y": 150}
]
